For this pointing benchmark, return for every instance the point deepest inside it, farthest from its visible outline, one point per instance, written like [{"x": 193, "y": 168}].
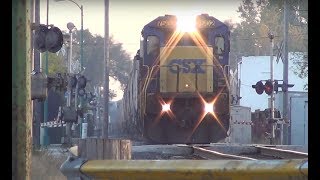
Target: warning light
[
  {"x": 268, "y": 87},
  {"x": 259, "y": 87}
]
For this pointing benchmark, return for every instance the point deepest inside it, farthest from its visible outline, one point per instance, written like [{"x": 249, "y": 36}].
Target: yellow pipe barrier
[{"x": 196, "y": 169}]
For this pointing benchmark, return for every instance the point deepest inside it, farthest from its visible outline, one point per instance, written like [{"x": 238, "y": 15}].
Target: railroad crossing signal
[
  {"x": 269, "y": 87},
  {"x": 73, "y": 81},
  {"x": 259, "y": 87},
  {"x": 48, "y": 38},
  {"x": 82, "y": 82}
]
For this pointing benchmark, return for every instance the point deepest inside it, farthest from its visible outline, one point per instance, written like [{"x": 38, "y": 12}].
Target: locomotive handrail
[
  {"x": 222, "y": 68},
  {"x": 144, "y": 89},
  {"x": 225, "y": 76},
  {"x": 178, "y": 77},
  {"x": 196, "y": 77},
  {"x": 142, "y": 111},
  {"x": 148, "y": 71}
]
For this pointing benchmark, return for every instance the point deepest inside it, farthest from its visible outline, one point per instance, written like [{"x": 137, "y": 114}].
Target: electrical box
[
  {"x": 39, "y": 86},
  {"x": 297, "y": 114},
  {"x": 240, "y": 125}
]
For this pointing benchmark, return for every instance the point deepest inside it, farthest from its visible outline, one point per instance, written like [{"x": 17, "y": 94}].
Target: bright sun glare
[{"x": 186, "y": 23}]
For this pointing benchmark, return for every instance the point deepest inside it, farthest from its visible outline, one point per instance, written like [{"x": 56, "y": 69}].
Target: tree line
[
  {"x": 120, "y": 62},
  {"x": 258, "y": 18}
]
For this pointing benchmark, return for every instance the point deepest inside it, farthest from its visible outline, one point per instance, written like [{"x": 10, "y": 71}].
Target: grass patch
[{"x": 46, "y": 165}]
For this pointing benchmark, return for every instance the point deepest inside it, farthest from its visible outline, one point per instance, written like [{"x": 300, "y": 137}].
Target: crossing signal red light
[
  {"x": 259, "y": 87},
  {"x": 268, "y": 87}
]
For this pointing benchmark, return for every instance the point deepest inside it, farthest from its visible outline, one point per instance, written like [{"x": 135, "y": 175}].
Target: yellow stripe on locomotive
[{"x": 186, "y": 69}]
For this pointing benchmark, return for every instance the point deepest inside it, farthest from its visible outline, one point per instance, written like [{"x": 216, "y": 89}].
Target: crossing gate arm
[{"x": 187, "y": 169}]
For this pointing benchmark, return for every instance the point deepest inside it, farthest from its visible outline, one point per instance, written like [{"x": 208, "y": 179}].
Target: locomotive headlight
[
  {"x": 186, "y": 23},
  {"x": 165, "y": 107},
  {"x": 209, "y": 107}
]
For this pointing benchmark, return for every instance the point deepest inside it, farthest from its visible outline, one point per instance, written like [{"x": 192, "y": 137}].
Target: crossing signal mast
[{"x": 269, "y": 87}]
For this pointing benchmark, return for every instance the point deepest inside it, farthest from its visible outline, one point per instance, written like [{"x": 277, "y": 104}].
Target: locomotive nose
[{"x": 188, "y": 117}]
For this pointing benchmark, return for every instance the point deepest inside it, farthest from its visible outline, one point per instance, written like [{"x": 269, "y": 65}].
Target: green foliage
[
  {"x": 93, "y": 55},
  {"x": 56, "y": 63},
  {"x": 250, "y": 37}
]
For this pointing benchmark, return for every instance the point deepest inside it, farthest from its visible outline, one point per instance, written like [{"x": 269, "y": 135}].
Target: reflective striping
[
  {"x": 53, "y": 124},
  {"x": 243, "y": 122},
  {"x": 196, "y": 169}
]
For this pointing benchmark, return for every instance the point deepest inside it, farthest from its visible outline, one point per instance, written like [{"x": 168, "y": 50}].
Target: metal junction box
[
  {"x": 298, "y": 116},
  {"x": 240, "y": 125}
]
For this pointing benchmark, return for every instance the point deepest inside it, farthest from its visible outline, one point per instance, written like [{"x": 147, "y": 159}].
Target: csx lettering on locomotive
[{"x": 187, "y": 66}]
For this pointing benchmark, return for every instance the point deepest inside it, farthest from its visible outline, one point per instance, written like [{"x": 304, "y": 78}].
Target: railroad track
[
  {"x": 281, "y": 153},
  {"x": 210, "y": 154},
  {"x": 216, "y": 152},
  {"x": 255, "y": 153}
]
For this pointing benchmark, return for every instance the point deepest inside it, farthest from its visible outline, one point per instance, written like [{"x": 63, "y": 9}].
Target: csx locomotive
[{"x": 178, "y": 90}]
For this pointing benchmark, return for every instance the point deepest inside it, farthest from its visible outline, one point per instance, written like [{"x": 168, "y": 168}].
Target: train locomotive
[{"x": 178, "y": 91}]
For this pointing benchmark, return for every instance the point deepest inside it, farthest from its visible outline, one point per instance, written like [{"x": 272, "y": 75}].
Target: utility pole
[
  {"x": 286, "y": 134},
  {"x": 70, "y": 26},
  {"x": 239, "y": 63},
  {"x": 45, "y": 107},
  {"x": 81, "y": 41},
  {"x": 21, "y": 90},
  {"x": 271, "y": 36},
  {"x": 106, "y": 71},
  {"x": 37, "y": 105}
]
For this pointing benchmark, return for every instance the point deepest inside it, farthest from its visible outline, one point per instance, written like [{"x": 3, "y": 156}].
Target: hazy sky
[{"x": 127, "y": 17}]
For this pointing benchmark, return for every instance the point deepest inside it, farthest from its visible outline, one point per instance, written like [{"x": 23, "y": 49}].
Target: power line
[{"x": 263, "y": 37}]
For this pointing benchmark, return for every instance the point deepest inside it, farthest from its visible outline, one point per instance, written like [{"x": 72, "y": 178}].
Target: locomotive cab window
[
  {"x": 219, "y": 44},
  {"x": 153, "y": 46},
  {"x": 186, "y": 39}
]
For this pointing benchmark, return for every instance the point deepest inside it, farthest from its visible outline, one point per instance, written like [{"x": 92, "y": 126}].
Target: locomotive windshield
[
  {"x": 153, "y": 45},
  {"x": 188, "y": 39},
  {"x": 219, "y": 45}
]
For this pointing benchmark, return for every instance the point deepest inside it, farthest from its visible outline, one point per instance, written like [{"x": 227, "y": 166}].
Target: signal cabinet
[
  {"x": 297, "y": 114},
  {"x": 240, "y": 125}
]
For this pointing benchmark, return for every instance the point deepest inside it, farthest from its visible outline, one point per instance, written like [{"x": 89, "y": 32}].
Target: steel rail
[
  {"x": 209, "y": 154},
  {"x": 281, "y": 153}
]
